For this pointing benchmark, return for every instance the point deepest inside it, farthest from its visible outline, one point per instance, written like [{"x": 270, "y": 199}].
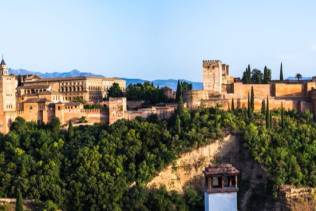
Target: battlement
[{"x": 208, "y": 63}]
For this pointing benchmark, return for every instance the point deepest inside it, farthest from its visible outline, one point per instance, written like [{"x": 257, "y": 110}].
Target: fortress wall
[
  {"x": 91, "y": 115},
  {"x": 261, "y": 90},
  {"x": 162, "y": 112},
  {"x": 289, "y": 90},
  {"x": 194, "y": 97},
  {"x": 274, "y": 103}
]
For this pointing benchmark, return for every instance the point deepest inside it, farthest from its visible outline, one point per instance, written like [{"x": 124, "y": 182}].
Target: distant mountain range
[
  {"x": 72, "y": 73},
  {"x": 171, "y": 83}
]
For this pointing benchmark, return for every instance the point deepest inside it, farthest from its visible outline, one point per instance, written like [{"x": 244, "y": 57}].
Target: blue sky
[{"x": 158, "y": 39}]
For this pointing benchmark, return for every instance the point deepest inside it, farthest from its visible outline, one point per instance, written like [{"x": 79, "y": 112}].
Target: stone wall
[
  {"x": 117, "y": 109},
  {"x": 294, "y": 198},
  {"x": 289, "y": 90},
  {"x": 260, "y": 90},
  {"x": 162, "y": 112}
]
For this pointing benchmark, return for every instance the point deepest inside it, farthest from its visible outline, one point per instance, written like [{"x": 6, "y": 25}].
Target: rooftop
[{"x": 221, "y": 169}]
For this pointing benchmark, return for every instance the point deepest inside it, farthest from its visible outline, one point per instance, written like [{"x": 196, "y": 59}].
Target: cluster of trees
[
  {"x": 285, "y": 146},
  {"x": 93, "y": 167},
  {"x": 107, "y": 167},
  {"x": 141, "y": 91},
  {"x": 147, "y": 92},
  {"x": 255, "y": 76},
  {"x": 115, "y": 91}
]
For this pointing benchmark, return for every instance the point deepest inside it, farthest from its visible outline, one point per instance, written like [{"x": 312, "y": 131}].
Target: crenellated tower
[{"x": 216, "y": 78}]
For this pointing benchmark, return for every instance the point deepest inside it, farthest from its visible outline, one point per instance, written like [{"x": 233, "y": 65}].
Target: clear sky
[{"x": 158, "y": 39}]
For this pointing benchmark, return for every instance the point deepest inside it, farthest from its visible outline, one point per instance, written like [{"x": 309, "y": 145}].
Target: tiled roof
[
  {"x": 35, "y": 100},
  {"x": 221, "y": 169}
]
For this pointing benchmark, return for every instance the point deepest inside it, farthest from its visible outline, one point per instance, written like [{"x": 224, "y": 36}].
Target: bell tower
[
  {"x": 3, "y": 68},
  {"x": 8, "y": 85}
]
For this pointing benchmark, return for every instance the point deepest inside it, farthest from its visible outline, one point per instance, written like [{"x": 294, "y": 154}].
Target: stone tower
[
  {"x": 221, "y": 186},
  {"x": 214, "y": 75},
  {"x": 8, "y": 85}
]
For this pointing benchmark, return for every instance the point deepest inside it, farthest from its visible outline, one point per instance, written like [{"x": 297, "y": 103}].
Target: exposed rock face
[
  {"x": 188, "y": 169},
  {"x": 297, "y": 199}
]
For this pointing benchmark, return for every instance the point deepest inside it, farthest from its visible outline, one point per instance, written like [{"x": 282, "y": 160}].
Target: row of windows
[
  {"x": 33, "y": 91},
  {"x": 72, "y": 83},
  {"x": 71, "y": 89},
  {"x": 9, "y": 106}
]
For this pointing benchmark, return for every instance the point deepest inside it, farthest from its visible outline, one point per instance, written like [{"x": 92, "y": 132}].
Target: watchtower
[
  {"x": 221, "y": 186},
  {"x": 214, "y": 75}
]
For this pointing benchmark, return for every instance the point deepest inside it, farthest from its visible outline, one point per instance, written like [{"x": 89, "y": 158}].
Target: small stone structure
[{"x": 221, "y": 186}]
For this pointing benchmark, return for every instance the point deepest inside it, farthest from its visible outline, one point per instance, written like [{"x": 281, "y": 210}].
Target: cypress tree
[
  {"x": 267, "y": 114},
  {"x": 180, "y": 105},
  {"x": 246, "y": 78},
  {"x": 178, "y": 91},
  {"x": 19, "y": 201},
  {"x": 252, "y": 99},
  {"x": 178, "y": 125},
  {"x": 265, "y": 75},
  {"x": 263, "y": 107},
  {"x": 233, "y": 105},
  {"x": 281, "y": 72},
  {"x": 70, "y": 129},
  {"x": 270, "y": 120},
  {"x": 249, "y": 107},
  {"x": 282, "y": 115}
]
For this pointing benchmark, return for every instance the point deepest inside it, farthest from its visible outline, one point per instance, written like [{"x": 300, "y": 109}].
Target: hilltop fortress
[
  {"x": 220, "y": 89},
  {"x": 73, "y": 99},
  {"x": 68, "y": 99}
]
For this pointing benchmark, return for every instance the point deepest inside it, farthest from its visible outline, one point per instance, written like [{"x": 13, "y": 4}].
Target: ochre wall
[
  {"x": 289, "y": 90},
  {"x": 260, "y": 90},
  {"x": 163, "y": 112}
]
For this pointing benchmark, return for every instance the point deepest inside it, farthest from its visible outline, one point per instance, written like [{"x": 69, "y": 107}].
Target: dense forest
[{"x": 107, "y": 167}]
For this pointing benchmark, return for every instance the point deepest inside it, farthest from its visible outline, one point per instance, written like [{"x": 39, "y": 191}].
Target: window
[{"x": 216, "y": 182}]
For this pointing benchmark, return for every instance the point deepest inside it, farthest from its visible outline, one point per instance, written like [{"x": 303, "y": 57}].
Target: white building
[{"x": 221, "y": 188}]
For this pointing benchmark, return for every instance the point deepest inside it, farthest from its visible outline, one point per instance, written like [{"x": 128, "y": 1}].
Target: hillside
[{"x": 187, "y": 171}]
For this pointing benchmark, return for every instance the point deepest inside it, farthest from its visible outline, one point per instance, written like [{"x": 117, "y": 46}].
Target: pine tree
[
  {"x": 263, "y": 107},
  {"x": 281, "y": 72},
  {"x": 178, "y": 125},
  {"x": 19, "y": 201},
  {"x": 252, "y": 99},
  {"x": 233, "y": 105}
]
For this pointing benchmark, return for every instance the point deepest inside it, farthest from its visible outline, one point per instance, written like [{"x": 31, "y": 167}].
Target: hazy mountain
[
  {"x": 303, "y": 78},
  {"x": 172, "y": 83},
  {"x": 72, "y": 73}
]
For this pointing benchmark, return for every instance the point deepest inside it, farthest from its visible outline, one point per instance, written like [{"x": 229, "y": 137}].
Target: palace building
[{"x": 41, "y": 99}]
